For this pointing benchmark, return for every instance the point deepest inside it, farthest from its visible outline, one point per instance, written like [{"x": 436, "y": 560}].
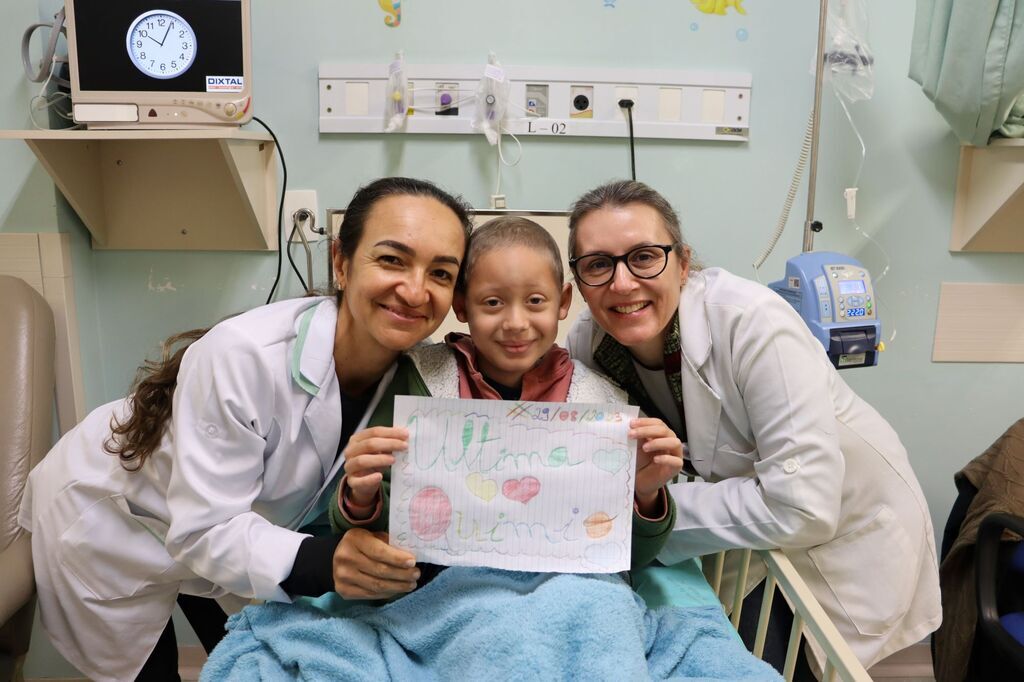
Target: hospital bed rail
[{"x": 809, "y": 619}]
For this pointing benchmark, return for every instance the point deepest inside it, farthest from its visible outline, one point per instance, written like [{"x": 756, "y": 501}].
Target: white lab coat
[
  {"x": 791, "y": 457},
  {"x": 251, "y": 449}
]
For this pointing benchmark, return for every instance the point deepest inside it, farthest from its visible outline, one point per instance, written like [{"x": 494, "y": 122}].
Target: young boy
[
  {"x": 471, "y": 622},
  {"x": 510, "y": 354}
]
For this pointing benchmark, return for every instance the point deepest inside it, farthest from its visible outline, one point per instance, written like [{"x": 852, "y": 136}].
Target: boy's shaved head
[{"x": 506, "y": 231}]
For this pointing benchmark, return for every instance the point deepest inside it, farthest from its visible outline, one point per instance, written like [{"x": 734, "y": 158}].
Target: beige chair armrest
[{"x": 16, "y": 569}]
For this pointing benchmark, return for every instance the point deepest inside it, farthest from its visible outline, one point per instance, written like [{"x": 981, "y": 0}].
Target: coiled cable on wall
[
  {"x": 50, "y": 59},
  {"x": 794, "y": 187}
]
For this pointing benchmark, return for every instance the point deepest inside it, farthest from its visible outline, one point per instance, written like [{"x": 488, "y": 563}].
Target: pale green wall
[
  {"x": 26, "y": 195},
  {"x": 29, "y": 203},
  {"x": 728, "y": 195}
]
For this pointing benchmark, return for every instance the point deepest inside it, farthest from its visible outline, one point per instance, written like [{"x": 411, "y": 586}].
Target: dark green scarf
[{"x": 616, "y": 361}]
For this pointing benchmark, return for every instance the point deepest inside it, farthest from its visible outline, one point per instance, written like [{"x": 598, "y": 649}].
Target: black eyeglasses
[{"x": 645, "y": 262}]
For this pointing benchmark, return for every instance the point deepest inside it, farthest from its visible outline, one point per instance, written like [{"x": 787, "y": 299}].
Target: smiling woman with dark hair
[{"x": 213, "y": 477}]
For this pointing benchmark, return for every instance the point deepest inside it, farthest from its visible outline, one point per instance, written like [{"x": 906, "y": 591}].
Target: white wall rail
[{"x": 668, "y": 104}]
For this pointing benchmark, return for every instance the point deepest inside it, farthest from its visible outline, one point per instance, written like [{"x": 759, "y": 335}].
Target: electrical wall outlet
[
  {"x": 581, "y": 101},
  {"x": 294, "y": 199},
  {"x": 622, "y": 93}
]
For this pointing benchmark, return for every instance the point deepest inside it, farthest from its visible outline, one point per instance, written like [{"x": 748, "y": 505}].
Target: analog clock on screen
[{"x": 161, "y": 44}]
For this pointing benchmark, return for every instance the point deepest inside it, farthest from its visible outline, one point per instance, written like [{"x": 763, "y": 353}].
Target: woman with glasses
[{"x": 788, "y": 454}]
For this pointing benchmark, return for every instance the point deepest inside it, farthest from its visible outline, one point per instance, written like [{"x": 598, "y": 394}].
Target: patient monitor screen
[{"x": 159, "y": 45}]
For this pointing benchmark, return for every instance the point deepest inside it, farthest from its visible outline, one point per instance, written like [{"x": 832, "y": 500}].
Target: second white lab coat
[
  {"x": 214, "y": 510},
  {"x": 791, "y": 457}
]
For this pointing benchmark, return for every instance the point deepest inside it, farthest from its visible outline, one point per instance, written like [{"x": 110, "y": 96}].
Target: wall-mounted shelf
[
  {"x": 988, "y": 211},
  {"x": 191, "y": 189}
]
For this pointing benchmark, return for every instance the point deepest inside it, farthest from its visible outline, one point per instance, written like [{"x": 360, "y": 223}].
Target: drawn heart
[
  {"x": 604, "y": 554},
  {"x": 484, "y": 488},
  {"x": 521, "y": 490},
  {"x": 610, "y": 460}
]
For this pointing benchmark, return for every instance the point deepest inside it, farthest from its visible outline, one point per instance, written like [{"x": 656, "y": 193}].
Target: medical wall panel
[{"x": 547, "y": 101}]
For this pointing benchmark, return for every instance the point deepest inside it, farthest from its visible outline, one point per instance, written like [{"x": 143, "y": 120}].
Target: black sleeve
[{"x": 313, "y": 571}]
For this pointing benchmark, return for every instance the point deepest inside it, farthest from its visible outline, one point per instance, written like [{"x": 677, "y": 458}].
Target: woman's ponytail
[{"x": 150, "y": 401}]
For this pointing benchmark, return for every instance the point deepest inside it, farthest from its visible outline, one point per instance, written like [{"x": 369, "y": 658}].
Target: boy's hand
[
  {"x": 367, "y": 455},
  {"x": 367, "y": 567},
  {"x": 659, "y": 457}
]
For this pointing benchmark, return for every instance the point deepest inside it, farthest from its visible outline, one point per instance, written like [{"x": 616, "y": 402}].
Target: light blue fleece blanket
[{"x": 486, "y": 624}]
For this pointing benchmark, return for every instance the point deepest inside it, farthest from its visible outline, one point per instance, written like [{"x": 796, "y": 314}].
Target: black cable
[
  {"x": 295, "y": 268},
  {"x": 280, "y": 215},
  {"x": 628, "y": 105},
  {"x": 632, "y": 148}
]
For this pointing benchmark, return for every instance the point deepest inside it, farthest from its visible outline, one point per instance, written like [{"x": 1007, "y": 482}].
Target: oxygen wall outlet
[
  {"x": 294, "y": 199},
  {"x": 447, "y": 99}
]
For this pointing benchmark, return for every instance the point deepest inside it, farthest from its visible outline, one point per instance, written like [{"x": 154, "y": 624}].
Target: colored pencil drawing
[
  {"x": 484, "y": 488},
  {"x": 430, "y": 513},
  {"x": 457, "y": 440},
  {"x": 521, "y": 490},
  {"x": 514, "y": 484}
]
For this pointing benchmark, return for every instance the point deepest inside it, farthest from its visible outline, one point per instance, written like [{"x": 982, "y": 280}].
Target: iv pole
[{"x": 810, "y": 225}]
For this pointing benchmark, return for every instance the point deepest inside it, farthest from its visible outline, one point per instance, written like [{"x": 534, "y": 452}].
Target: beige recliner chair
[{"x": 26, "y": 433}]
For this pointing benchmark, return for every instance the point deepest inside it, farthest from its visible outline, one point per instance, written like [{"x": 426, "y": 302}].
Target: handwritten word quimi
[
  {"x": 546, "y": 414},
  {"x": 503, "y": 529},
  {"x": 432, "y": 518}
]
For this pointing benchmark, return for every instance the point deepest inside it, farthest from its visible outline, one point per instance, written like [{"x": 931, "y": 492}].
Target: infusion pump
[{"x": 834, "y": 295}]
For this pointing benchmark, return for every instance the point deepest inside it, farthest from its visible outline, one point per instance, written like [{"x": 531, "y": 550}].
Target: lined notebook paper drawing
[{"x": 517, "y": 485}]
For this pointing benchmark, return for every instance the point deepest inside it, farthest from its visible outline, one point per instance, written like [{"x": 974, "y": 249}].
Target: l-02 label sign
[{"x": 546, "y": 126}]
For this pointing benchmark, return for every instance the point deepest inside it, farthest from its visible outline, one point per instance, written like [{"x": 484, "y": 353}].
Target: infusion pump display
[
  {"x": 188, "y": 46},
  {"x": 850, "y": 292}
]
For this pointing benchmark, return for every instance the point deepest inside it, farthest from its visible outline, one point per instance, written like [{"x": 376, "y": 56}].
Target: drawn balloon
[
  {"x": 598, "y": 524},
  {"x": 430, "y": 513}
]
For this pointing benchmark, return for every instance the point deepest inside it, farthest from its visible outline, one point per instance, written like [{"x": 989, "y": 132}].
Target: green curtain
[{"x": 968, "y": 56}]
